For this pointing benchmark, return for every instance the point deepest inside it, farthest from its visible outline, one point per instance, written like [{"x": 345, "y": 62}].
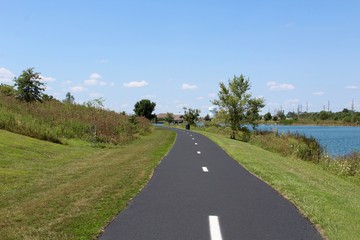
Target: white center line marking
[
  {"x": 215, "y": 232},
  {"x": 198, "y": 152},
  {"x": 193, "y": 138},
  {"x": 205, "y": 169},
  {"x": 196, "y": 143}
]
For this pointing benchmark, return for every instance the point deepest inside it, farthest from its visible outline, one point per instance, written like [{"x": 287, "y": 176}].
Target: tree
[
  {"x": 47, "y": 98},
  {"x": 292, "y": 115},
  {"x": 240, "y": 107},
  {"x": 95, "y": 103},
  {"x": 7, "y": 90},
  {"x": 169, "y": 118},
  {"x": 191, "y": 115},
  {"x": 324, "y": 115},
  {"x": 144, "y": 108},
  {"x": 69, "y": 99},
  {"x": 207, "y": 118},
  {"x": 281, "y": 115},
  {"x": 267, "y": 116},
  {"x": 29, "y": 86}
]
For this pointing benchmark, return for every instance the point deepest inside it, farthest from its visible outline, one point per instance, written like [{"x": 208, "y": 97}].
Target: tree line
[{"x": 344, "y": 117}]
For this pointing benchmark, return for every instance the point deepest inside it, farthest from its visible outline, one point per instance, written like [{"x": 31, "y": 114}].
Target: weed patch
[{"x": 53, "y": 121}]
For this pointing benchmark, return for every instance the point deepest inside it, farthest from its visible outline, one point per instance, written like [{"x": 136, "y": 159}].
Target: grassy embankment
[
  {"x": 55, "y": 122},
  {"x": 331, "y": 201},
  {"x": 54, "y": 191},
  {"x": 72, "y": 189}
]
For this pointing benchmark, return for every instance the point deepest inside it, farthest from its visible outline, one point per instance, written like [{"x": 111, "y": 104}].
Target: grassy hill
[
  {"x": 57, "y": 191},
  {"x": 73, "y": 189},
  {"x": 55, "y": 121}
]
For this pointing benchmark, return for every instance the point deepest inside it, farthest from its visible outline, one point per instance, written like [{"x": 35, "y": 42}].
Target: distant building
[
  {"x": 212, "y": 111},
  {"x": 177, "y": 118}
]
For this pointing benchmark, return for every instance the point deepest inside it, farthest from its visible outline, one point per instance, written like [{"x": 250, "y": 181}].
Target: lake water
[{"x": 336, "y": 140}]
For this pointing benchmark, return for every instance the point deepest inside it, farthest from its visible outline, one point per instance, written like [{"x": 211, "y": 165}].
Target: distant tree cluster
[{"x": 345, "y": 116}]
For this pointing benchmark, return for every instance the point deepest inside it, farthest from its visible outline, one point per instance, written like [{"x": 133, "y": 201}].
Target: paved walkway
[{"x": 199, "y": 192}]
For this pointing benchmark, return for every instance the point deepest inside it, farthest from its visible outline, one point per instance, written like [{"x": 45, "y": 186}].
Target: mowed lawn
[
  {"x": 52, "y": 191},
  {"x": 330, "y": 201}
]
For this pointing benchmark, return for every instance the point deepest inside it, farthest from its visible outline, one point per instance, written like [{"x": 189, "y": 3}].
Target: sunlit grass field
[{"x": 71, "y": 191}]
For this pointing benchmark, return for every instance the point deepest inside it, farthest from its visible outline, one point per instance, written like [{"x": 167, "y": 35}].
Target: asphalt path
[{"x": 199, "y": 192}]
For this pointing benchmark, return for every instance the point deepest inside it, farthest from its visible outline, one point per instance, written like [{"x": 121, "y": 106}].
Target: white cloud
[
  {"x": 47, "y": 79},
  {"x": 200, "y": 98},
  {"x": 95, "y": 80},
  {"x": 280, "y": 86},
  {"x": 352, "y": 87},
  {"x": 6, "y": 76},
  {"x": 186, "y": 86},
  {"x": 77, "y": 89},
  {"x": 212, "y": 95},
  {"x": 136, "y": 84},
  {"x": 318, "y": 93},
  {"x": 95, "y": 76}
]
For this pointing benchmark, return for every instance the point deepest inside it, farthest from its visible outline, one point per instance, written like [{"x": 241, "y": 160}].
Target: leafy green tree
[
  {"x": 145, "y": 108},
  {"x": 7, "y": 90},
  {"x": 191, "y": 115},
  {"x": 69, "y": 99},
  {"x": 324, "y": 115},
  {"x": 47, "y": 98},
  {"x": 292, "y": 115},
  {"x": 29, "y": 86},
  {"x": 169, "y": 118},
  {"x": 267, "y": 116},
  {"x": 207, "y": 118},
  {"x": 281, "y": 115},
  {"x": 240, "y": 107}
]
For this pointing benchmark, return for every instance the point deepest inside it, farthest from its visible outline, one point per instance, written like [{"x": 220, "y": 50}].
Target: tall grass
[
  {"x": 297, "y": 146},
  {"x": 53, "y": 121},
  {"x": 289, "y": 144}
]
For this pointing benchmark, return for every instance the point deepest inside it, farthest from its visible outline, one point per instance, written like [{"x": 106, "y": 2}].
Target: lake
[{"x": 337, "y": 140}]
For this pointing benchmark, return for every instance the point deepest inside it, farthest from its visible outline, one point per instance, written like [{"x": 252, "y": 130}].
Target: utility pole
[
  {"x": 307, "y": 107},
  {"x": 328, "y": 106}
]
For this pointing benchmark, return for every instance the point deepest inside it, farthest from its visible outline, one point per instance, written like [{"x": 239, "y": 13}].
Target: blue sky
[{"x": 175, "y": 53}]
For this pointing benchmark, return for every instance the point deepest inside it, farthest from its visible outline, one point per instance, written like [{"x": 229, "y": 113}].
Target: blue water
[{"x": 336, "y": 140}]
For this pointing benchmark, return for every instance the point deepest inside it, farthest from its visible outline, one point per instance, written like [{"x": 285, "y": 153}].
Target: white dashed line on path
[
  {"x": 198, "y": 152},
  {"x": 215, "y": 232},
  {"x": 205, "y": 169},
  {"x": 196, "y": 143}
]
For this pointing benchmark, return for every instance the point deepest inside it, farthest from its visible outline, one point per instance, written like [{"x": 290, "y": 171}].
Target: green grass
[
  {"x": 53, "y": 121},
  {"x": 330, "y": 201},
  {"x": 52, "y": 191}
]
